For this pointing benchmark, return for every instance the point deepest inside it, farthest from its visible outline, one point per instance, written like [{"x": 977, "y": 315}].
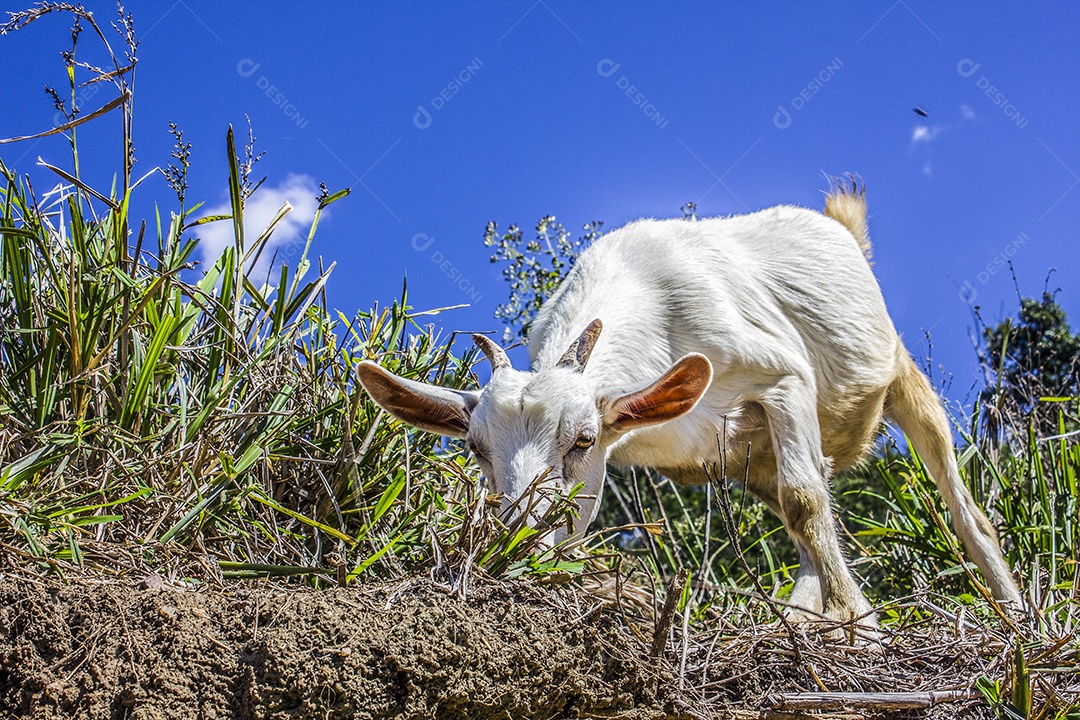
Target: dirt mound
[
  {"x": 91, "y": 649},
  {"x": 105, "y": 648}
]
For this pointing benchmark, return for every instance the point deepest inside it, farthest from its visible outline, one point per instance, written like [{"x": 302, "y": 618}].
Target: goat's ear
[
  {"x": 428, "y": 407},
  {"x": 674, "y": 394}
]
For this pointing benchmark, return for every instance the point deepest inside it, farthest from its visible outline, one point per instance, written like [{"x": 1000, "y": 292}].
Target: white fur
[{"x": 785, "y": 291}]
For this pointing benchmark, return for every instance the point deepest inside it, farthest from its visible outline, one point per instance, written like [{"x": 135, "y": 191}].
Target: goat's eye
[
  {"x": 584, "y": 441},
  {"x": 477, "y": 452}
]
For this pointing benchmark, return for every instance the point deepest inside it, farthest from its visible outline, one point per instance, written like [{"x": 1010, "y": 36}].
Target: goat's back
[
  {"x": 723, "y": 285},
  {"x": 777, "y": 292}
]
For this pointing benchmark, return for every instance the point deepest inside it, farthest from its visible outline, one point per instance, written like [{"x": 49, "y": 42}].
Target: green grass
[
  {"x": 1029, "y": 489},
  {"x": 162, "y": 416},
  {"x": 142, "y": 408}
]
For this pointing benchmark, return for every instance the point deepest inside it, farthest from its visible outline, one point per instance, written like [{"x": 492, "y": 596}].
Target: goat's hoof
[
  {"x": 845, "y": 627},
  {"x": 803, "y": 616}
]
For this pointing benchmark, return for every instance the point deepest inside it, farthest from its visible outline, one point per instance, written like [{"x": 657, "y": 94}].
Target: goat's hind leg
[{"x": 915, "y": 406}]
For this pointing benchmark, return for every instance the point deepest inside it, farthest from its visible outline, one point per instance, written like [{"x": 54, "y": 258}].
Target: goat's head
[{"x": 555, "y": 424}]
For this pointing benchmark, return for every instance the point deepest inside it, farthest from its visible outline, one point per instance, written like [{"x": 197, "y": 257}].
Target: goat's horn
[
  {"x": 579, "y": 351},
  {"x": 495, "y": 354}
]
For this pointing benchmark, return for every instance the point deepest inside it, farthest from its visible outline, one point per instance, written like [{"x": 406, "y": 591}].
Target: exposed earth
[
  {"x": 97, "y": 648},
  {"x": 113, "y": 650}
]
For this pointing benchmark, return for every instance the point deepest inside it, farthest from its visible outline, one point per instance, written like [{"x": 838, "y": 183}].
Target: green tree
[
  {"x": 1032, "y": 367},
  {"x": 534, "y": 268}
]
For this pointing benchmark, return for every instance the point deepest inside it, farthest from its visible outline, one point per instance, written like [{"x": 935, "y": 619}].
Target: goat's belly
[{"x": 681, "y": 447}]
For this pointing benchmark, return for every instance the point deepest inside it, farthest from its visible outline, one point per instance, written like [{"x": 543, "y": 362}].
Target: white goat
[{"x": 768, "y": 328}]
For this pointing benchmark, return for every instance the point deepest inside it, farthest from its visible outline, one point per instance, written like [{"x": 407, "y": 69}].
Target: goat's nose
[
  {"x": 545, "y": 541},
  {"x": 505, "y": 504}
]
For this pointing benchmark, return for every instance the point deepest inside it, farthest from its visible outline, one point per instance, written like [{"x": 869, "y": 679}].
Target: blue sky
[{"x": 443, "y": 117}]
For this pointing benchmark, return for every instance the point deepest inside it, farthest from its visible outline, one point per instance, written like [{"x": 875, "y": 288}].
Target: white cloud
[
  {"x": 288, "y": 239},
  {"x": 925, "y": 133}
]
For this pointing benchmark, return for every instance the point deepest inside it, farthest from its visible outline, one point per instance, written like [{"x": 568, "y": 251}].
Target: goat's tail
[
  {"x": 914, "y": 406},
  {"x": 845, "y": 202}
]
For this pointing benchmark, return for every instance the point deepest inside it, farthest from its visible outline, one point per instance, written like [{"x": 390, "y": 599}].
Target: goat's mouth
[{"x": 545, "y": 507}]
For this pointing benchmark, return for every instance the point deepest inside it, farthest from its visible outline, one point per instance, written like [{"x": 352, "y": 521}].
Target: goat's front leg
[
  {"x": 807, "y": 591},
  {"x": 805, "y": 503},
  {"x": 805, "y": 597}
]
